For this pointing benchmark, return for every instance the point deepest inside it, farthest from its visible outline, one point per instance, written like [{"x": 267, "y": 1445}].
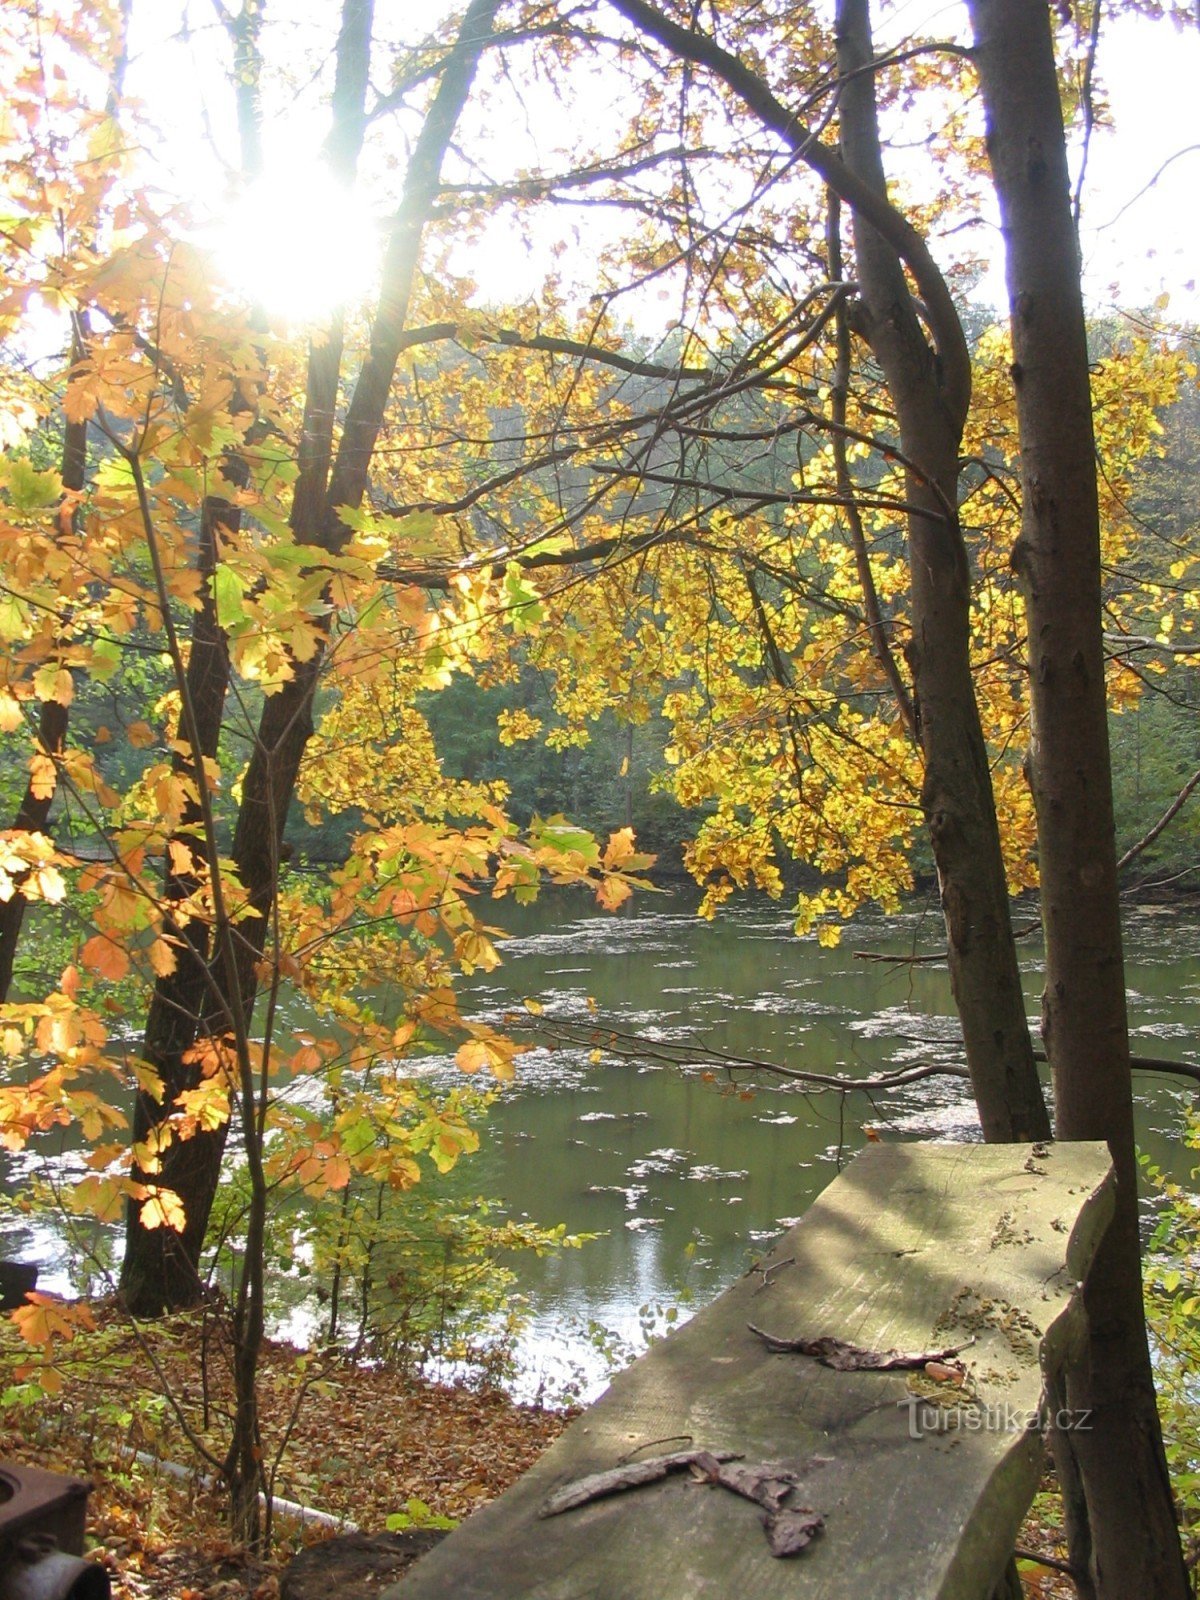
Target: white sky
[
  {"x": 1136, "y": 244},
  {"x": 1146, "y": 241}
]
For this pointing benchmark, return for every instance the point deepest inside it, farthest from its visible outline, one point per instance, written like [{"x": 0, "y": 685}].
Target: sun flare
[{"x": 298, "y": 245}]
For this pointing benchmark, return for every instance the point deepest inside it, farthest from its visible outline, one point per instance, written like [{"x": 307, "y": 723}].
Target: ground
[{"x": 365, "y": 1443}]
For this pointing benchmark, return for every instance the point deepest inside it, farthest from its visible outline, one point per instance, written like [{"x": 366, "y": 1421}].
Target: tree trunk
[
  {"x": 930, "y": 389},
  {"x": 1122, "y": 1525},
  {"x": 160, "y": 1266}
]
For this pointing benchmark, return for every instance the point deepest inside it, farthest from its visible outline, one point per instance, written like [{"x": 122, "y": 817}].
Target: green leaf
[
  {"x": 229, "y": 596},
  {"x": 29, "y": 489},
  {"x": 13, "y": 621},
  {"x": 106, "y": 658}
]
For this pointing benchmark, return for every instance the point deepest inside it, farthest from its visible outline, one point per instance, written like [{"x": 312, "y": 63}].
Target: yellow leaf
[
  {"x": 619, "y": 848},
  {"x": 162, "y": 1209},
  {"x": 43, "y": 780},
  {"x": 10, "y": 712},
  {"x": 146, "y": 1077}
]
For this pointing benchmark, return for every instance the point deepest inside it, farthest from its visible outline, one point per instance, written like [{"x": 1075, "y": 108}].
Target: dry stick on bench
[
  {"x": 789, "y": 1529},
  {"x": 844, "y": 1357}
]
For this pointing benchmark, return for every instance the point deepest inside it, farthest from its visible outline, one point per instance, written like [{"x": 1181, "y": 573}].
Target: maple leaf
[
  {"x": 104, "y": 956},
  {"x": 44, "y": 1319},
  {"x": 162, "y": 1208}
]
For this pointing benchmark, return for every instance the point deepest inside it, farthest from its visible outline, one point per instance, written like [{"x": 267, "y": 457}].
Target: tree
[
  {"x": 1120, "y": 1513},
  {"x": 753, "y": 514},
  {"x": 188, "y": 512},
  {"x": 328, "y": 480}
]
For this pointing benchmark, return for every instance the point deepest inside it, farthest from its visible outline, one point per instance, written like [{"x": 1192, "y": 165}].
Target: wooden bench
[{"x": 922, "y": 1481}]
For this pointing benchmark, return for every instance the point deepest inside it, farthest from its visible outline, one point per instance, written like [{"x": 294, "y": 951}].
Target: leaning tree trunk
[
  {"x": 1121, "y": 1522},
  {"x": 930, "y": 389}
]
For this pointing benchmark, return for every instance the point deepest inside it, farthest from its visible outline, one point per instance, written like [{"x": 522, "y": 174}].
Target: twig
[{"x": 1053, "y": 1562}]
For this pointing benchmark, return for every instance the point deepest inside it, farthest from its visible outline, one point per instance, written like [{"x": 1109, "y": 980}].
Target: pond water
[
  {"x": 685, "y": 1175},
  {"x": 684, "y": 1172}
]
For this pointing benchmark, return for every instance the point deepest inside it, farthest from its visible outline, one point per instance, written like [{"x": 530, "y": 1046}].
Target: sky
[
  {"x": 1141, "y": 234},
  {"x": 1143, "y": 231}
]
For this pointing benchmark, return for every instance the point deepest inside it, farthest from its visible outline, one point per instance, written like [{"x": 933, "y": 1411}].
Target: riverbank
[{"x": 362, "y": 1443}]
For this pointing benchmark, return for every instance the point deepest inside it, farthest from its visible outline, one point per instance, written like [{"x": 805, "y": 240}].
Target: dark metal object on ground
[{"x": 41, "y": 1537}]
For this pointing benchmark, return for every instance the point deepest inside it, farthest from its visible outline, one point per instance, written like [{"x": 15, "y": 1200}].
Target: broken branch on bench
[{"x": 845, "y": 1357}]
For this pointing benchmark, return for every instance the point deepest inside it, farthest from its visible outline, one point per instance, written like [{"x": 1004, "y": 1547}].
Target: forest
[{"x": 536, "y": 448}]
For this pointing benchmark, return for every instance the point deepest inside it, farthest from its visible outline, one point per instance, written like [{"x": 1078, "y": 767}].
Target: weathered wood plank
[{"x": 914, "y": 1246}]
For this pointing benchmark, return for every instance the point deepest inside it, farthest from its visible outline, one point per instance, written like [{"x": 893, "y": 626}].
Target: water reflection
[{"x": 685, "y": 1178}]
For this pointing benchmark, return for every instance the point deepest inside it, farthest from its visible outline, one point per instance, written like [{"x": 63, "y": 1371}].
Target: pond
[{"x": 684, "y": 1172}]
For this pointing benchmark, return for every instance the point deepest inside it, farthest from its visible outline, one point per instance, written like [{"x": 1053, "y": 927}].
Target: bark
[
  {"x": 154, "y": 1270},
  {"x": 1122, "y": 1525},
  {"x": 159, "y": 1267}
]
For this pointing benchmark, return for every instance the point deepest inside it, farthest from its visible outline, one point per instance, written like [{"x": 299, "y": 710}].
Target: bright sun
[{"x": 298, "y": 245}]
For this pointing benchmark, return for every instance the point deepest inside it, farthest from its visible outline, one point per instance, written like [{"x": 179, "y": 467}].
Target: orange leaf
[
  {"x": 162, "y": 958},
  {"x": 43, "y": 1318},
  {"x": 473, "y": 1055},
  {"x": 337, "y": 1172},
  {"x": 105, "y": 957},
  {"x": 612, "y": 893}
]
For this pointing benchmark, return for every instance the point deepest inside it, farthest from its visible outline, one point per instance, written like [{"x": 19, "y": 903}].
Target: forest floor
[{"x": 363, "y": 1443}]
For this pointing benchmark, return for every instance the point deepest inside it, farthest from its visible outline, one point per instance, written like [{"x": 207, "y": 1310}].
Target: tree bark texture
[
  {"x": 930, "y": 389},
  {"x": 1129, "y": 1543},
  {"x": 160, "y": 1266}
]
